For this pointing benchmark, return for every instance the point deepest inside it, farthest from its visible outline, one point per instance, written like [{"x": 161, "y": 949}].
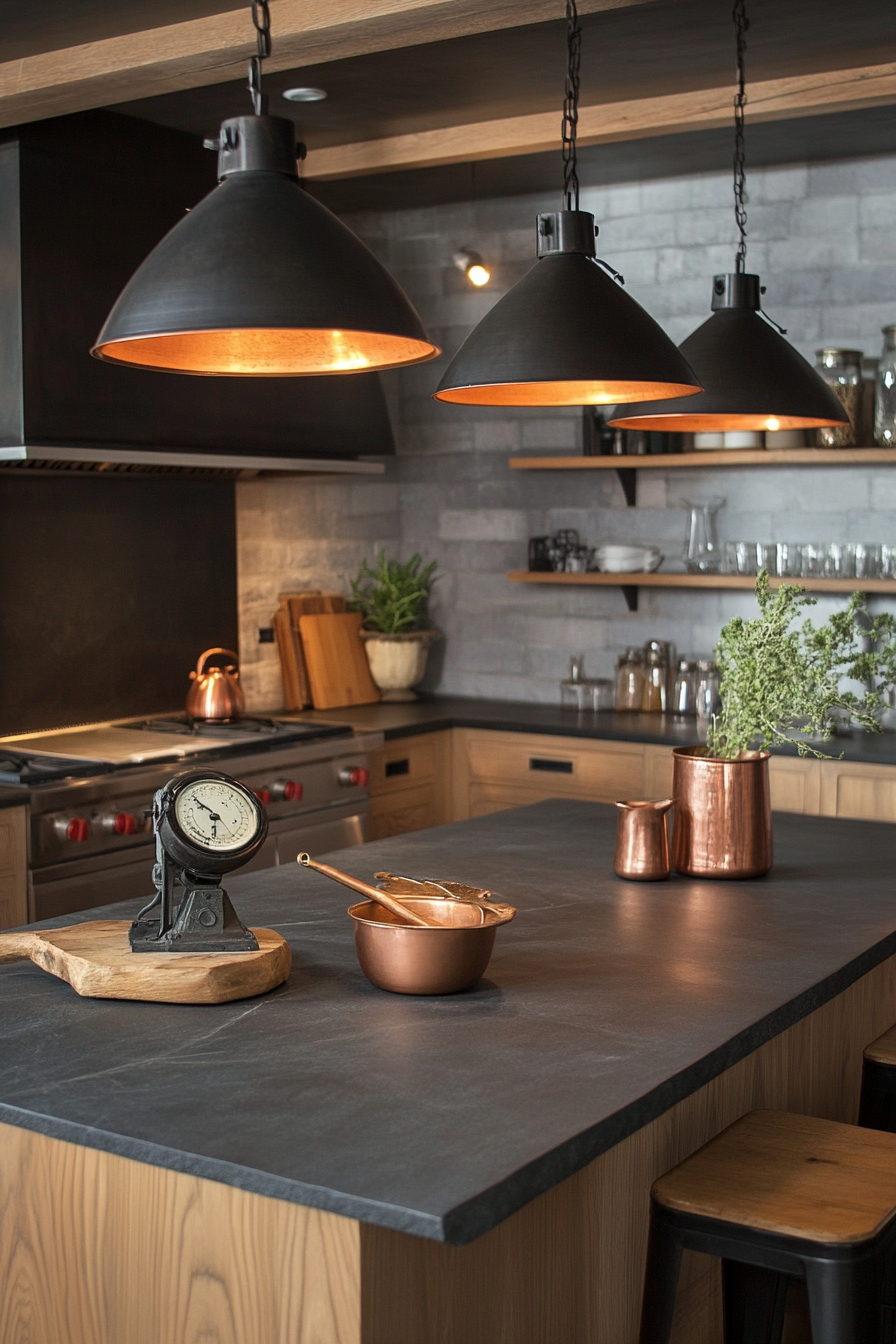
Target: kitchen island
[{"x": 330, "y": 1164}]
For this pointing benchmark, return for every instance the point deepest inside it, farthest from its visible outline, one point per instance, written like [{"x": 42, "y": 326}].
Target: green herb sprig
[
  {"x": 775, "y": 679},
  {"x": 393, "y": 595}
]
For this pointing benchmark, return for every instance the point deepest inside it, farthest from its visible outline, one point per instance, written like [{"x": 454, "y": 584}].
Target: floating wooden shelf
[
  {"x": 727, "y": 457},
  {"x": 630, "y": 583}
]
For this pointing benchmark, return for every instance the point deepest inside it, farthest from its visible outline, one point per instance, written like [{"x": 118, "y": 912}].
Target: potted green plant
[
  {"x": 779, "y": 684},
  {"x": 393, "y": 596}
]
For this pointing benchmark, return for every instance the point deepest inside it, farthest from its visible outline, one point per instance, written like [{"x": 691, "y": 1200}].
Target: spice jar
[
  {"x": 885, "y": 393},
  {"x": 655, "y": 695},
  {"x": 629, "y": 680},
  {"x": 842, "y": 371}
]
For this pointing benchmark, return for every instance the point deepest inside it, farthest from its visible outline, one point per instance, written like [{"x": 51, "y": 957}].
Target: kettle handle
[{"x": 200, "y": 665}]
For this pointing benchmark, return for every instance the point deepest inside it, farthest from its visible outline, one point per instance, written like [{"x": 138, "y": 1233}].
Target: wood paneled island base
[{"x": 101, "y": 1249}]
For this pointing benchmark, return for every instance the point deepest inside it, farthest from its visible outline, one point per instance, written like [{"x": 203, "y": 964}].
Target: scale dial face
[{"x": 217, "y": 816}]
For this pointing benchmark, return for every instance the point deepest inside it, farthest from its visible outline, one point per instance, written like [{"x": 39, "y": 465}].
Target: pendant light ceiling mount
[
  {"x": 259, "y": 279},
  {"x": 752, "y": 378},
  {"x": 567, "y": 334}
]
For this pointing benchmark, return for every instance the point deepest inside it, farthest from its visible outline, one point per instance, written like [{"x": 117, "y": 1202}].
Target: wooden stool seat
[
  {"x": 776, "y": 1197},
  {"x": 877, "y": 1106},
  {"x": 790, "y": 1174},
  {"x": 883, "y": 1050}
]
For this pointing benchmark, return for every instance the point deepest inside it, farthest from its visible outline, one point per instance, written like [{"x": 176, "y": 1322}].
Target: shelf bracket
[
  {"x": 628, "y": 479},
  {"x": 630, "y": 593}
]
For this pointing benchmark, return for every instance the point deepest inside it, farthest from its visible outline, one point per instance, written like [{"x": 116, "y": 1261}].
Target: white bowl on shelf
[{"x": 628, "y": 559}]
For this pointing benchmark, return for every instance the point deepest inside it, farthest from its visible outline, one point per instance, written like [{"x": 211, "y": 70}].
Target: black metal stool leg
[
  {"x": 754, "y": 1302},
  {"x": 660, "y": 1284},
  {"x": 844, "y": 1301}
]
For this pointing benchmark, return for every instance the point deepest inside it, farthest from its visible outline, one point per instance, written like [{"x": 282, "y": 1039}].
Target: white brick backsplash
[
  {"x": 482, "y": 525},
  {"x": 823, "y": 240}
]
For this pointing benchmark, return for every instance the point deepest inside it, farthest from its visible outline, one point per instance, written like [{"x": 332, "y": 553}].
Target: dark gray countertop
[
  {"x": 516, "y": 716},
  {"x": 605, "y": 1003}
]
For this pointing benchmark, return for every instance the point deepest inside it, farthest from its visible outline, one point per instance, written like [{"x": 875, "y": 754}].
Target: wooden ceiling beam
[
  {"x": 215, "y": 49},
  {"x": 700, "y": 109}
]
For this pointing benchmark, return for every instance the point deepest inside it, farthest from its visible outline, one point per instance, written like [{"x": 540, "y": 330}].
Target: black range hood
[{"x": 83, "y": 199}]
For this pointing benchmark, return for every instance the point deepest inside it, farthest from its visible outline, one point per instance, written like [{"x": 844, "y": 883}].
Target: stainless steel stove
[{"x": 91, "y": 789}]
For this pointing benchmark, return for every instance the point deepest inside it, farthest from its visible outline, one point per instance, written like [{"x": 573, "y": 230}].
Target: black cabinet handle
[
  {"x": 394, "y": 768},
  {"x": 552, "y": 767}
]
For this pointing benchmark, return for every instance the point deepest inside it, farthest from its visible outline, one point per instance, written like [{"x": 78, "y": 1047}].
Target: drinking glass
[
  {"x": 836, "y": 561},
  {"x": 888, "y": 562},
  {"x": 866, "y": 560},
  {"x": 787, "y": 559},
  {"x": 766, "y": 556},
  {"x": 729, "y": 557},
  {"x": 811, "y": 560},
  {"x": 745, "y": 553}
]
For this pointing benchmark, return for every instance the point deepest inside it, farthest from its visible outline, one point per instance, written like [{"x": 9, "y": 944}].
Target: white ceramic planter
[{"x": 397, "y": 662}]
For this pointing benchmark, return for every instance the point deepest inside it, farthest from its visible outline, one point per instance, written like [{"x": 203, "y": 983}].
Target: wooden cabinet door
[
  {"x": 795, "y": 784},
  {"x": 853, "y": 789},
  {"x": 498, "y": 770}
]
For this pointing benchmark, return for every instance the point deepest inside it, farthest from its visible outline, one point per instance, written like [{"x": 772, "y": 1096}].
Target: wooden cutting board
[
  {"x": 97, "y": 961},
  {"x": 337, "y": 665}
]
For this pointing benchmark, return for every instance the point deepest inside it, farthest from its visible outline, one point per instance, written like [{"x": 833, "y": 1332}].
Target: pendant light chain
[
  {"x": 570, "y": 125},
  {"x": 741, "y": 24},
  {"x": 261, "y": 18}
]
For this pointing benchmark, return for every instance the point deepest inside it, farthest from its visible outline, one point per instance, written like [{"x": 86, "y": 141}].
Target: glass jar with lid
[
  {"x": 630, "y": 680},
  {"x": 575, "y": 690},
  {"x": 655, "y": 695},
  {"x": 842, "y": 371},
  {"x": 885, "y": 393}
]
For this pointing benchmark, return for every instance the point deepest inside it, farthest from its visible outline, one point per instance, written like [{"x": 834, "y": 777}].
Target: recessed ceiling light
[{"x": 304, "y": 95}]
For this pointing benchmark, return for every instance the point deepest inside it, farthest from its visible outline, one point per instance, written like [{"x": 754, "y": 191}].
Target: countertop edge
[{"x": 250, "y": 1179}]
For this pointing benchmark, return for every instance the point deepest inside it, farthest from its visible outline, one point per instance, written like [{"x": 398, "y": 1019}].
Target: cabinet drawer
[
  {"x": 402, "y": 764},
  {"x": 548, "y": 767},
  {"x": 400, "y": 812}
]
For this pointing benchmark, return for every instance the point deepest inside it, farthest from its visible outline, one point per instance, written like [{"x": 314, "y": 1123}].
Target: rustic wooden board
[
  {"x": 97, "y": 961},
  {"x": 337, "y": 664}
]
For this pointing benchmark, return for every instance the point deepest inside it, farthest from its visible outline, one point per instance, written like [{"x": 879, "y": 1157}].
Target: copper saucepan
[{"x": 447, "y": 946}]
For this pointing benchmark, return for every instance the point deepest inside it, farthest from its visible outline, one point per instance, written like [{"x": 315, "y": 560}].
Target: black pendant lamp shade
[
  {"x": 753, "y": 379},
  {"x": 261, "y": 279},
  {"x": 566, "y": 335}
]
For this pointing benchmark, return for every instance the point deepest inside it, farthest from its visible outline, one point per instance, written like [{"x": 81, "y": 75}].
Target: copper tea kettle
[{"x": 216, "y": 692}]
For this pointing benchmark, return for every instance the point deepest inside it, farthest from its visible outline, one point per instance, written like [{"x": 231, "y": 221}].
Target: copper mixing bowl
[{"x": 407, "y": 959}]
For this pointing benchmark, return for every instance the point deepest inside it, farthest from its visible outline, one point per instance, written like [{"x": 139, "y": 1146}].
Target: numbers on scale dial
[{"x": 216, "y": 815}]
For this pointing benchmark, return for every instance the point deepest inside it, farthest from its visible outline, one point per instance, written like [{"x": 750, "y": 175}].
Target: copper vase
[
  {"x": 723, "y": 816},
  {"x": 642, "y": 841}
]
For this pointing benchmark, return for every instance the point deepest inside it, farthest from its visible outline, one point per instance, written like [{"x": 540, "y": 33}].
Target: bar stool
[
  {"x": 779, "y": 1196},
  {"x": 877, "y": 1106}
]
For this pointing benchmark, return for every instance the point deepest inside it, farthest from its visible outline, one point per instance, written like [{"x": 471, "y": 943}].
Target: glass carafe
[
  {"x": 885, "y": 393},
  {"x": 702, "y": 554}
]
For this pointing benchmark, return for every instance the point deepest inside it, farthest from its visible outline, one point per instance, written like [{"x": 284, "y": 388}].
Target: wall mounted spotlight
[
  {"x": 473, "y": 267},
  {"x": 303, "y": 95}
]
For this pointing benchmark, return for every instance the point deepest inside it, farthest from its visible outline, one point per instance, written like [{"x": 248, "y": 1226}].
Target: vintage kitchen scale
[{"x": 196, "y": 950}]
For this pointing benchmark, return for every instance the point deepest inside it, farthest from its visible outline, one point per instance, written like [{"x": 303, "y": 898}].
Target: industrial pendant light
[
  {"x": 567, "y": 334},
  {"x": 752, "y": 378},
  {"x": 259, "y": 278}
]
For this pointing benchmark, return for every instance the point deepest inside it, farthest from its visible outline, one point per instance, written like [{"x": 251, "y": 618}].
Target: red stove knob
[
  {"x": 293, "y": 790},
  {"x": 357, "y": 775},
  {"x": 124, "y": 823},
  {"x": 263, "y": 796},
  {"x": 78, "y": 829}
]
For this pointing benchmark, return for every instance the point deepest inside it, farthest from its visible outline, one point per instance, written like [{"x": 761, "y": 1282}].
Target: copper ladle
[{"x": 372, "y": 893}]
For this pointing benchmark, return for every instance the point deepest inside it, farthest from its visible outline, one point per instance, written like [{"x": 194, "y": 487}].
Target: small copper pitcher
[{"x": 642, "y": 841}]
